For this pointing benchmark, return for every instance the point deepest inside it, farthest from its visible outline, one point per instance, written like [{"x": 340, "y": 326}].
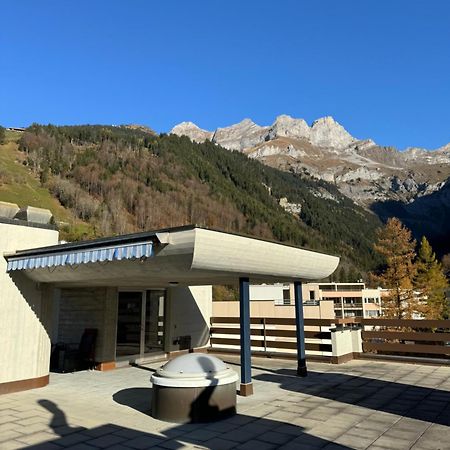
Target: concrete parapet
[
  {"x": 346, "y": 343},
  {"x": 36, "y": 215},
  {"x": 8, "y": 210}
]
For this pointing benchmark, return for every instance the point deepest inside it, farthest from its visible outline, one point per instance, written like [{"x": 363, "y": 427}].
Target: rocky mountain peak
[
  {"x": 240, "y": 135},
  {"x": 287, "y": 126},
  {"x": 361, "y": 169},
  {"x": 326, "y": 132},
  {"x": 192, "y": 131}
]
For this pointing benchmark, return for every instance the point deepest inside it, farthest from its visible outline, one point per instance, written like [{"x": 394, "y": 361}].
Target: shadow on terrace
[
  {"x": 231, "y": 432},
  {"x": 407, "y": 400},
  {"x": 224, "y": 434}
]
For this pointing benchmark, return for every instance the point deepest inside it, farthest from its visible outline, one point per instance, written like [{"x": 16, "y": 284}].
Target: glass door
[
  {"x": 154, "y": 321},
  {"x": 129, "y": 319},
  {"x": 140, "y": 323}
]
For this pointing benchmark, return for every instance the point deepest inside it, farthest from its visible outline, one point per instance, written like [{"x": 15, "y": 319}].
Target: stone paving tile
[
  {"x": 170, "y": 444},
  {"x": 31, "y": 420},
  {"x": 437, "y": 436},
  {"x": 200, "y": 435},
  {"x": 7, "y": 435},
  {"x": 410, "y": 435},
  {"x": 127, "y": 433},
  {"x": 220, "y": 444},
  {"x": 241, "y": 420},
  {"x": 274, "y": 437},
  {"x": 223, "y": 426},
  {"x": 176, "y": 444},
  {"x": 290, "y": 429},
  {"x": 393, "y": 443},
  {"x": 241, "y": 436},
  {"x": 47, "y": 446},
  {"x": 9, "y": 426},
  {"x": 37, "y": 438},
  {"x": 63, "y": 430},
  {"x": 354, "y": 441},
  {"x": 334, "y": 446},
  {"x": 143, "y": 442},
  {"x": 12, "y": 445},
  {"x": 72, "y": 439},
  {"x": 80, "y": 447},
  {"x": 305, "y": 423},
  {"x": 106, "y": 441},
  {"x": 256, "y": 445},
  {"x": 305, "y": 442},
  {"x": 8, "y": 418},
  {"x": 124, "y": 447},
  {"x": 6, "y": 411},
  {"x": 102, "y": 430},
  {"x": 35, "y": 428}
]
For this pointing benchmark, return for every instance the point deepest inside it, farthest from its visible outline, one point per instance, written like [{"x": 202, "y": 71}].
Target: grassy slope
[{"x": 20, "y": 186}]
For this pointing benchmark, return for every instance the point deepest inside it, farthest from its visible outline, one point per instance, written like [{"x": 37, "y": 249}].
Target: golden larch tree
[{"x": 396, "y": 245}]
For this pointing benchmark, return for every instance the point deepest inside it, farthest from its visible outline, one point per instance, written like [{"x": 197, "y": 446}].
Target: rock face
[
  {"x": 192, "y": 131},
  {"x": 286, "y": 126},
  {"x": 361, "y": 169},
  {"x": 240, "y": 136},
  {"x": 326, "y": 132}
]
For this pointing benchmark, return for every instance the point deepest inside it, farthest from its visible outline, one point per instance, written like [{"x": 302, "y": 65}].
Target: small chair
[{"x": 73, "y": 357}]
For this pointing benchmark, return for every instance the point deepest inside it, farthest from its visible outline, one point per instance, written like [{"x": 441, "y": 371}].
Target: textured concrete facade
[
  {"x": 25, "y": 309},
  {"x": 82, "y": 308},
  {"x": 188, "y": 313}
]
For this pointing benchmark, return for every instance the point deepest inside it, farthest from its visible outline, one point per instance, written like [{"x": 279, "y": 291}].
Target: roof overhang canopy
[{"x": 186, "y": 255}]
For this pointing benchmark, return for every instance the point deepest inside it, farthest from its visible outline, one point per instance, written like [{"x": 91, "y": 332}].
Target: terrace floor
[{"x": 358, "y": 405}]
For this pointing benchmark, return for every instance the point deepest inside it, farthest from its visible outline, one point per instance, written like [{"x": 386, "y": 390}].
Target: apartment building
[{"x": 350, "y": 299}]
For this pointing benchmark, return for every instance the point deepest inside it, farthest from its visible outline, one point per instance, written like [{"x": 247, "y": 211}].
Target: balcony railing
[
  {"x": 338, "y": 340},
  {"x": 276, "y": 336},
  {"x": 423, "y": 338}
]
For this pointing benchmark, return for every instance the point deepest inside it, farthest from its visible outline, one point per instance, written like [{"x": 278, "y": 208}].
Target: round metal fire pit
[{"x": 194, "y": 388}]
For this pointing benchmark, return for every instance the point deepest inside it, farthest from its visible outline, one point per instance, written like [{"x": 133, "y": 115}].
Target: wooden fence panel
[
  {"x": 406, "y": 348},
  {"x": 406, "y": 336}
]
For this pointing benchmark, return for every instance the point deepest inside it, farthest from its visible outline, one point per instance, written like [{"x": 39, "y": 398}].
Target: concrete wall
[
  {"x": 325, "y": 310},
  {"x": 266, "y": 292},
  {"x": 188, "y": 313},
  {"x": 25, "y": 309},
  {"x": 81, "y": 308}
]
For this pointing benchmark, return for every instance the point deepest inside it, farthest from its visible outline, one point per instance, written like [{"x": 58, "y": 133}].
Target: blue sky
[{"x": 381, "y": 68}]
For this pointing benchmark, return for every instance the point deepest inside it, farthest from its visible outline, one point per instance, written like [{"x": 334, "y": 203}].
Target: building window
[
  {"x": 286, "y": 297},
  {"x": 312, "y": 295}
]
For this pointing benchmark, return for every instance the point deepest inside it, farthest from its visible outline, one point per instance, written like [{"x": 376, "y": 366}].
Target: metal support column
[
  {"x": 244, "y": 308},
  {"x": 300, "y": 330}
]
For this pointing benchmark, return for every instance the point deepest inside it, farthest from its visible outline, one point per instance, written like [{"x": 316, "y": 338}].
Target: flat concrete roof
[{"x": 189, "y": 255}]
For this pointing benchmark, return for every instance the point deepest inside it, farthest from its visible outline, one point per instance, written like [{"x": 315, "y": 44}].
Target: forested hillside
[{"x": 122, "y": 179}]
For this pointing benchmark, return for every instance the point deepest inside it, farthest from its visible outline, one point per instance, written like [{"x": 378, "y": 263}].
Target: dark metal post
[
  {"x": 300, "y": 330},
  {"x": 244, "y": 305}
]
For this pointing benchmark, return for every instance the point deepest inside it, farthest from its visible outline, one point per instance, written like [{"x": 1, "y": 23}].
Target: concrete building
[
  {"x": 350, "y": 299},
  {"x": 146, "y": 294},
  {"x": 276, "y": 300},
  {"x": 320, "y": 300}
]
